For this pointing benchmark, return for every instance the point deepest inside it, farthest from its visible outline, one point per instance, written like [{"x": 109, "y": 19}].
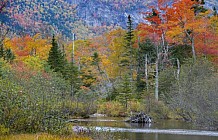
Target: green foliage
[
  {"x": 96, "y": 59},
  {"x": 181, "y": 52},
  {"x": 113, "y": 108},
  {"x": 129, "y": 35},
  {"x": 166, "y": 80},
  {"x": 127, "y": 57},
  {"x": 159, "y": 110},
  {"x": 71, "y": 75},
  {"x": 136, "y": 106},
  {"x": 3, "y": 130},
  {"x": 194, "y": 96},
  {"x": 214, "y": 11},
  {"x": 56, "y": 57},
  {"x": 34, "y": 63},
  {"x": 12, "y": 101},
  {"x": 4, "y": 68},
  {"x": 1, "y": 51},
  {"x": 39, "y": 103},
  {"x": 145, "y": 48},
  {"x": 7, "y": 54},
  {"x": 125, "y": 91}
]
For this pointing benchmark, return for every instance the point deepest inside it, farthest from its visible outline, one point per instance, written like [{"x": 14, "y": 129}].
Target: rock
[
  {"x": 140, "y": 118},
  {"x": 80, "y": 129},
  {"x": 98, "y": 115}
]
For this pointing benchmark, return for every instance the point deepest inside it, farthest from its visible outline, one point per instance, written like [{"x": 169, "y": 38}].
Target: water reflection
[
  {"x": 162, "y": 130},
  {"x": 141, "y": 136},
  {"x": 137, "y": 125}
]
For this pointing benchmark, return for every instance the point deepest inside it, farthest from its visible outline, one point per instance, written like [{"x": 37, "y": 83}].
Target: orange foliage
[
  {"x": 174, "y": 21},
  {"x": 29, "y": 46}
]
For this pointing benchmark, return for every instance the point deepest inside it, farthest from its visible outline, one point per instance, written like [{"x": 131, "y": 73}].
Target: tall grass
[{"x": 42, "y": 137}]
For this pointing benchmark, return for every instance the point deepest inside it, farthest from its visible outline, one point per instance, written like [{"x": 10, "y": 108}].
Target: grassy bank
[{"x": 41, "y": 137}]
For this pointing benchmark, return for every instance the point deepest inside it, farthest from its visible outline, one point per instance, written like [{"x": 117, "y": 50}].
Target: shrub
[
  {"x": 136, "y": 106},
  {"x": 3, "y": 130},
  {"x": 194, "y": 96},
  {"x": 112, "y": 108},
  {"x": 159, "y": 110}
]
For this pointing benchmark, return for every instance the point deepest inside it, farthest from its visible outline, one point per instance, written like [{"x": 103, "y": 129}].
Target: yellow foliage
[
  {"x": 34, "y": 63},
  {"x": 214, "y": 23},
  {"x": 112, "y": 108}
]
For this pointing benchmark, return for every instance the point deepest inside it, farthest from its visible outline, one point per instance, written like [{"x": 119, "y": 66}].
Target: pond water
[{"x": 161, "y": 130}]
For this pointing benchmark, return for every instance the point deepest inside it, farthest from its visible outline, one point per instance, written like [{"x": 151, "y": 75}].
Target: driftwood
[{"x": 140, "y": 118}]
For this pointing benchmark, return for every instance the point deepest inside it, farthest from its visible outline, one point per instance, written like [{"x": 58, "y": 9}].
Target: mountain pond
[{"x": 160, "y": 130}]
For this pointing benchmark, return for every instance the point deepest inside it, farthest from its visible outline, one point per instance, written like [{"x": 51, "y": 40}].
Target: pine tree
[
  {"x": 215, "y": 11},
  {"x": 9, "y": 56},
  {"x": 56, "y": 58},
  {"x": 146, "y": 54},
  {"x": 128, "y": 55},
  {"x": 1, "y": 51},
  {"x": 129, "y": 35},
  {"x": 72, "y": 76},
  {"x": 125, "y": 91}
]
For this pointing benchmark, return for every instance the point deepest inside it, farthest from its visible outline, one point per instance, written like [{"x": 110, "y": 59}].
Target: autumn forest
[{"x": 54, "y": 67}]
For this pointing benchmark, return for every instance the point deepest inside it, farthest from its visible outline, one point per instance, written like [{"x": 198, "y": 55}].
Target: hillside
[
  {"x": 162, "y": 62},
  {"x": 84, "y": 17}
]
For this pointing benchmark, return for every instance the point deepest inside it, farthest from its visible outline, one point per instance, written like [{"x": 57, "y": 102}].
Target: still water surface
[{"x": 161, "y": 130}]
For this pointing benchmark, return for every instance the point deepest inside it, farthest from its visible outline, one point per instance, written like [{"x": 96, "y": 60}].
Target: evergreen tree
[
  {"x": 128, "y": 55},
  {"x": 9, "y": 56},
  {"x": 56, "y": 58},
  {"x": 125, "y": 91},
  {"x": 146, "y": 49},
  {"x": 6, "y": 54},
  {"x": 1, "y": 51},
  {"x": 215, "y": 11},
  {"x": 72, "y": 76},
  {"x": 129, "y": 35}
]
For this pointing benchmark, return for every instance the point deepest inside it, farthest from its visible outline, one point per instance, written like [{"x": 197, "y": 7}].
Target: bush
[
  {"x": 3, "y": 130},
  {"x": 159, "y": 110},
  {"x": 112, "y": 108},
  {"x": 194, "y": 96},
  {"x": 27, "y": 103},
  {"x": 136, "y": 106}
]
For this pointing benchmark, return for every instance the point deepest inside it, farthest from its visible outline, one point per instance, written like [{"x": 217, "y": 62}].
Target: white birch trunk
[
  {"x": 146, "y": 71},
  {"x": 156, "y": 81}
]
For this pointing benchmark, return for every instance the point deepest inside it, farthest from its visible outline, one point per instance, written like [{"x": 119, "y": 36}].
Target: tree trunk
[
  {"x": 191, "y": 39},
  {"x": 193, "y": 48},
  {"x": 178, "y": 69},
  {"x": 146, "y": 81},
  {"x": 156, "y": 80},
  {"x": 146, "y": 71}
]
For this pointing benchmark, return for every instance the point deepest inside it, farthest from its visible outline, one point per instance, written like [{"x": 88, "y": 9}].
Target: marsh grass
[{"x": 42, "y": 136}]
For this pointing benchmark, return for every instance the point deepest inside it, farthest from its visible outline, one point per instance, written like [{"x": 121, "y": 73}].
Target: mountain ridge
[{"x": 61, "y": 16}]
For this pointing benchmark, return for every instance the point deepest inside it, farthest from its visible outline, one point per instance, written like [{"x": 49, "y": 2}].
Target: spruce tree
[
  {"x": 125, "y": 91},
  {"x": 1, "y": 51},
  {"x": 129, "y": 41},
  {"x": 146, "y": 54},
  {"x": 8, "y": 55},
  {"x": 128, "y": 55},
  {"x": 129, "y": 35},
  {"x": 215, "y": 11},
  {"x": 56, "y": 58}
]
